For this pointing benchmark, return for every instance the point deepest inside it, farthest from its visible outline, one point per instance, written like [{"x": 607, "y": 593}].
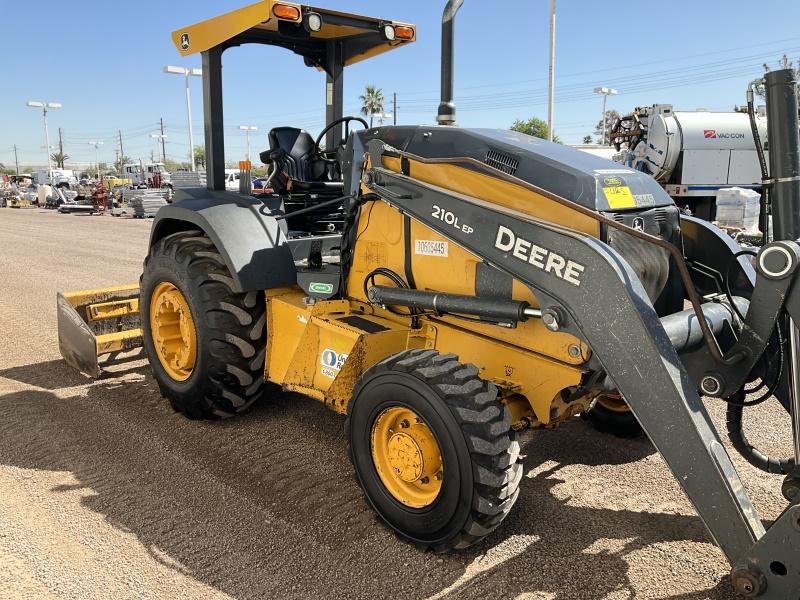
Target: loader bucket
[{"x": 95, "y": 323}]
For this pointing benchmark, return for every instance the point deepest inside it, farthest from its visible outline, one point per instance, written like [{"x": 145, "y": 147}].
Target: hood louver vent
[{"x": 502, "y": 162}]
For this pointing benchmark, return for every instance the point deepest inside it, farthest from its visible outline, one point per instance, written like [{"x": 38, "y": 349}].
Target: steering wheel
[{"x": 346, "y": 121}]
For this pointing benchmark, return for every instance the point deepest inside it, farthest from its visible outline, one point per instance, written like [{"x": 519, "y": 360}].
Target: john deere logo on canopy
[{"x": 184, "y": 41}]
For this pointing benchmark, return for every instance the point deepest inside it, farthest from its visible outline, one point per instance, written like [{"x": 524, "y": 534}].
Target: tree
[
  {"x": 59, "y": 158},
  {"x": 587, "y": 139},
  {"x": 611, "y": 117},
  {"x": 4, "y": 170},
  {"x": 783, "y": 63},
  {"x": 172, "y": 165},
  {"x": 372, "y": 102},
  {"x": 533, "y": 126},
  {"x": 200, "y": 156}
]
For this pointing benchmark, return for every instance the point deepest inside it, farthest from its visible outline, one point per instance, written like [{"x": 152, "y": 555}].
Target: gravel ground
[{"x": 105, "y": 492}]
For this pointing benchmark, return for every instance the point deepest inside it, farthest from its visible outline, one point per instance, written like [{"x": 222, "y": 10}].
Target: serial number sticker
[
  {"x": 432, "y": 248},
  {"x": 645, "y": 199},
  {"x": 619, "y": 197}
]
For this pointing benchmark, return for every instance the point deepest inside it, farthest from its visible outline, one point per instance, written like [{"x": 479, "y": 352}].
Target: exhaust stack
[
  {"x": 784, "y": 153},
  {"x": 447, "y": 108}
]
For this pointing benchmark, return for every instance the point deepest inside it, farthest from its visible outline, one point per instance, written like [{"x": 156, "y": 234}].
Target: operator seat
[{"x": 292, "y": 151}]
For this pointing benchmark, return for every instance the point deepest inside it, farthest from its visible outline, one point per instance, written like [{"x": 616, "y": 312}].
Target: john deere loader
[{"x": 444, "y": 288}]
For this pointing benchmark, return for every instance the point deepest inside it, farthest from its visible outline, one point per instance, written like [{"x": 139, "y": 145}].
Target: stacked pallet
[
  {"x": 144, "y": 203},
  {"x": 188, "y": 179}
]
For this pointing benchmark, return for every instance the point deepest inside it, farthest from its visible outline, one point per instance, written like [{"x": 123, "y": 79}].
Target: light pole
[
  {"x": 160, "y": 137},
  {"x": 381, "y": 116},
  {"x": 44, "y": 106},
  {"x": 97, "y": 145},
  {"x": 551, "y": 73},
  {"x": 186, "y": 74},
  {"x": 247, "y": 129},
  {"x": 605, "y": 92}
]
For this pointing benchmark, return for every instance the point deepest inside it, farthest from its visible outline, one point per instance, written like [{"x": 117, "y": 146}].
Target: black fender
[
  {"x": 252, "y": 242},
  {"x": 708, "y": 246}
]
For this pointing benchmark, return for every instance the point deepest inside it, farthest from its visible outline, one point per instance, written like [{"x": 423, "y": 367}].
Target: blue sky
[{"x": 105, "y": 67}]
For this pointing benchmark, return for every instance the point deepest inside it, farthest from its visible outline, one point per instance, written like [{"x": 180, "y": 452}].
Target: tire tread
[
  {"x": 486, "y": 426},
  {"x": 234, "y": 323}
]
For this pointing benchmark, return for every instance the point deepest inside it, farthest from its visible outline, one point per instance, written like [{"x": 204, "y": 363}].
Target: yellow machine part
[
  {"x": 259, "y": 19},
  {"x": 174, "y": 334},
  {"x": 407, "y": 457},
  {"x": 110, "y": 182},
  {"x": 321, "y": 350},
  {"x": 529, "y": 360},
  {"x": 92, "y": 323}
]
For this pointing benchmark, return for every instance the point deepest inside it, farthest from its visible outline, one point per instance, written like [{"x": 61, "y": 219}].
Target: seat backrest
[{"x": 299, "y": 148}]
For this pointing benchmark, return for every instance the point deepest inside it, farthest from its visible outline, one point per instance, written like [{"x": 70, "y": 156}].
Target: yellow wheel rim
[
  {"x": 407, "y": 457},
  {"x": 613, "y": 404},
  {"x": 172, "y": 327}
]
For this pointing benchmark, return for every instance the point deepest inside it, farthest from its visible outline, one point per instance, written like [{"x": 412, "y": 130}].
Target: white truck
[
  {"x": 57, "y": 178},
  {"x": 147, "y": 175},
  {"x": 691, "y": 154}
]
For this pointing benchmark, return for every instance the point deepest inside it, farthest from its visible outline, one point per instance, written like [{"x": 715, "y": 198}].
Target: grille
[
  {"x": 502, "y": 162},
  {"x": 661, "y": 215}
]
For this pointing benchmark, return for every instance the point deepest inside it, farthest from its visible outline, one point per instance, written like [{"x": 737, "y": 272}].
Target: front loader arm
[{"x": 585, "y": 288}]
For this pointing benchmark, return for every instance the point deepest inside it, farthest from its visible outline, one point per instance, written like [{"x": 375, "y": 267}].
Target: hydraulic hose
[
  {"x": 751, "y": 454},
  {"x": 763, "y": 217}
]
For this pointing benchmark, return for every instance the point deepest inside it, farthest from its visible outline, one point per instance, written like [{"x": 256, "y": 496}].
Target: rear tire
[
  {"x": 227, "y": 376},
  {"x": 613, "y": 417},
  {"x": 480, "y": 473}
]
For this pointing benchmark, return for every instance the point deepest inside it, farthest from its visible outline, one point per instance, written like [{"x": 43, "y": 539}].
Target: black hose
[
  {"x": 751, "y": 454},
  {"x": 369, "y": 281},
  {"x": 763, "y": 217}
]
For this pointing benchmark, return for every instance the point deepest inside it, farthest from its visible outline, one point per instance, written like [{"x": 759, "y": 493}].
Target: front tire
[
  {"x": 419, "y": 411},
  {"x": 206, "y": 343}
]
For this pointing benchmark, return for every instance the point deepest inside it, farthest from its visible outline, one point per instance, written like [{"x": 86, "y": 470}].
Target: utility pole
[
  {"x": 60, "y": 142},
  {"x": 186, "y": 74},
  {"x": 605, "y": 92},
  {"x": 44, "y": 106},
  {"x": 552, "y": 70},
  {"x": 16, "y": 159},
  {"x": 163, "y": 147},
  {"x": 247, "y": 129},
  {"x": 97, "y": 145},
  {"x": 121, "y": 151},
  {"x": 394, "y": 109}
]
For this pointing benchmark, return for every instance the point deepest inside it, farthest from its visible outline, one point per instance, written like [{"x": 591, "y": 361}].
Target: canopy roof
[{"x": 359, "y": 37}]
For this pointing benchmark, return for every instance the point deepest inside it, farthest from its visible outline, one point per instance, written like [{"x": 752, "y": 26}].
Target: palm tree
[
  {"x": 59, "y": 158},
  {"x": 372, "y": 102}
]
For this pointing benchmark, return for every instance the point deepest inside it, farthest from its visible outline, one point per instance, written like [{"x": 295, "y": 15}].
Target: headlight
[
  {"x": 389, "y": 33},
  {"x": 313, "y": 21}
]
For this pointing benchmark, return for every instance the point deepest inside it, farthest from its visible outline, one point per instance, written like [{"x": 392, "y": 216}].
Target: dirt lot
[{"x": 106, "y": 493}]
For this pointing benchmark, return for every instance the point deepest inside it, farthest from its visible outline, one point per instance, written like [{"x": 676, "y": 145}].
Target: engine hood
[{"x": 585, "y": 179}]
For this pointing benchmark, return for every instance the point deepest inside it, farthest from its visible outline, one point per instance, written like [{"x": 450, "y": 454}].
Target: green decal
[
  {"x": 321, "y": 288},
  {"x": 612, "y": 181}
]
